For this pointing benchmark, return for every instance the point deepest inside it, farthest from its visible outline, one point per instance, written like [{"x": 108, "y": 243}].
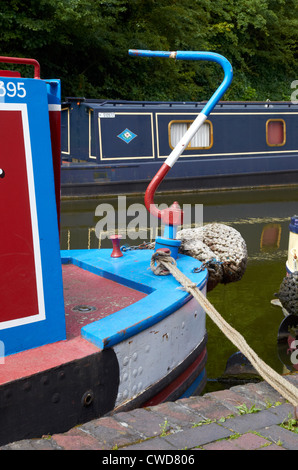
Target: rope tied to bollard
[{"x": 162, "y": 262}]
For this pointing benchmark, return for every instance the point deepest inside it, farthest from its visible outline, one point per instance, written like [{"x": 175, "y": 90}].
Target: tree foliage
[{"x": 86, "y": 42}]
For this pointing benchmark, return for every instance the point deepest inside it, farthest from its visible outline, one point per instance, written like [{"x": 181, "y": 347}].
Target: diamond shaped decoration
[{"x": 127, "y": 135}]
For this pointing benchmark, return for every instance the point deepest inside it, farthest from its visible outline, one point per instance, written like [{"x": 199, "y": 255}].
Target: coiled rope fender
[
  {"x": 165, "y": 263},
  {"x": 288, "y": 293},
  {"x": 220, "y": 248}
]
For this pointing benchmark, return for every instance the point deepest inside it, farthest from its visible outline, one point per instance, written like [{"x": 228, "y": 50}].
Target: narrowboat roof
[{"x": 103, "y": 103}]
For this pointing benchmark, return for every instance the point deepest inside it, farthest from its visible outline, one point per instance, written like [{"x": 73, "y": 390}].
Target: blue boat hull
[{"x": 82, "y": 180}]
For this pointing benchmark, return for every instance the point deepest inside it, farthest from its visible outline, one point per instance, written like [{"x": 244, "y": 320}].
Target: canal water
[{"x": 262, "y": 217}]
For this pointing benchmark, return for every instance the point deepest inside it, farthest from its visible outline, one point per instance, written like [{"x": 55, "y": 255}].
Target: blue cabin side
[
  {"x": 107, "y": 131},
  {"x": 126, "y": 142},
  {"x": 32, "y": 305}
]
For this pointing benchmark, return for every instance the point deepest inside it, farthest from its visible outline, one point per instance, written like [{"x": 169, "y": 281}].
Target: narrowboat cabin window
[
  {"x": 65, "y": 131},
  {"x": 203, "y": 138},
  {"x": 276, "y": 132},
  {"x": 91, "y": 134}
]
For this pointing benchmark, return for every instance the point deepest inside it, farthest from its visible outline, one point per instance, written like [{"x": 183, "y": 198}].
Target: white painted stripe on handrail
[
  {"x": 54, "y": 107},
  {"x": 181, "y": 146}
]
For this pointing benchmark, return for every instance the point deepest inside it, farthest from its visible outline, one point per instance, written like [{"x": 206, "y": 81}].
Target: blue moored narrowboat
[{"x": 117, "y": 147}]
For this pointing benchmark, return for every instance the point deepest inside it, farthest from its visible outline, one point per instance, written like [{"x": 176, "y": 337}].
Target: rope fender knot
[
  {"x": 158, "y": 261},
  {"x": 168, "y": 265}
]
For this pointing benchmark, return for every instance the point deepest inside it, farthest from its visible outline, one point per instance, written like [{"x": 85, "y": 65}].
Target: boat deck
[{"x": 89, "y": 297}]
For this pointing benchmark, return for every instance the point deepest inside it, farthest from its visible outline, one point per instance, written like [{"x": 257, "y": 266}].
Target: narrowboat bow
[{"x": 84, "y": 333}]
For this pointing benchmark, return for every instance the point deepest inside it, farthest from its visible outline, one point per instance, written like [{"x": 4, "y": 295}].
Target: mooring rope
[{"x": 165, "y": 262}]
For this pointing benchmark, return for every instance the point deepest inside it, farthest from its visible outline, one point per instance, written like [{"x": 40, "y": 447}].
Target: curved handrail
[
  {"x": 173, "y": 215},
  {"x": 23, "y": 61}
]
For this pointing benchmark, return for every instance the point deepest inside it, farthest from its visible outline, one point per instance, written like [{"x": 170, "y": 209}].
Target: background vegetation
[{"x": 85, "y": 43}]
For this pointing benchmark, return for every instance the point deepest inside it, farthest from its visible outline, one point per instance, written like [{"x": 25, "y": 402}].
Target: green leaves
[{"x": 86, "y": 42}]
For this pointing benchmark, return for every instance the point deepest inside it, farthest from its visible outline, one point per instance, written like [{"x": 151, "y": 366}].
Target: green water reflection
[{"x": 246, "y": 305}]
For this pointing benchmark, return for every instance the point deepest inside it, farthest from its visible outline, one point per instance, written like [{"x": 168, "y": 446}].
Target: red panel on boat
[
  {"x": 9, "y": 73},
  {"x": 89, "y": 298},
  {"x": 17, "y": 268}
]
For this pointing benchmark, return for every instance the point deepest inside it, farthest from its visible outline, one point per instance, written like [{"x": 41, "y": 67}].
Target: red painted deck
[
  {"x": 88, "y": 298},
  {"x": 81, "y": 288}
]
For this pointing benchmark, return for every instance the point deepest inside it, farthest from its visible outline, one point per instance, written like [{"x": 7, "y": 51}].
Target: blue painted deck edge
[{"x": 148, "y": 311}]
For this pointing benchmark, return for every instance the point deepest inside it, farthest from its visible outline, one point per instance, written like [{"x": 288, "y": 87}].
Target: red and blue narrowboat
[{"x": 84, "y": 333}]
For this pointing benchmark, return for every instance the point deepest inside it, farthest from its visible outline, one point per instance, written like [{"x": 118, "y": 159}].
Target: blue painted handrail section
[
  {"x": 197, "y": 55},
  {"x": 192, "y": 130}
]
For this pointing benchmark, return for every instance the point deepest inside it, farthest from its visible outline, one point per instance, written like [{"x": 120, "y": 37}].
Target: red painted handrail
[
  {"x": 171, "y": 216},
  {"x": 23, "y": 61}
]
